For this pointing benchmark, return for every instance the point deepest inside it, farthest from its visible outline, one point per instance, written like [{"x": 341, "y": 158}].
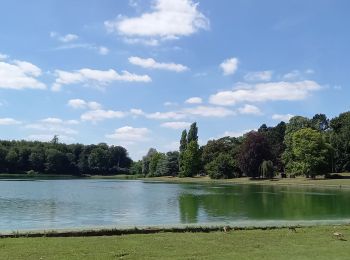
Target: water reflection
[
  {"x": 92, "y": 203},
  {"x": 248, "y": 202}
]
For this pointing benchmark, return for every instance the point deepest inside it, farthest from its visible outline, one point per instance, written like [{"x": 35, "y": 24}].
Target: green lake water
[{"x": 84, "y": 203}]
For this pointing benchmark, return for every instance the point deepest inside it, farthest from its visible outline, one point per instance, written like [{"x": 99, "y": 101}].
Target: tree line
[
  {"x": 58, "y": 158},
  {"x": 303, "y": 146}
]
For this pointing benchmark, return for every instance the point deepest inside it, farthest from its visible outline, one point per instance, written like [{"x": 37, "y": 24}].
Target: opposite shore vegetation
[{"x": 303, "y": 147}]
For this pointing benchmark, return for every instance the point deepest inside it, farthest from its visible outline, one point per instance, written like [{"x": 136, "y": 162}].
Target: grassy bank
[
  {"x": 303, "y": 243},
  {"x": 299, "y": 181}
]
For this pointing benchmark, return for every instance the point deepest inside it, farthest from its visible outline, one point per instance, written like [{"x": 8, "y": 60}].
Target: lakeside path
[{"x": 318, "y": 242}]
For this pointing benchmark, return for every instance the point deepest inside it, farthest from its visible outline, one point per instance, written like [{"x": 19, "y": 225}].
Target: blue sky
[{"x": 135, "y": 73}]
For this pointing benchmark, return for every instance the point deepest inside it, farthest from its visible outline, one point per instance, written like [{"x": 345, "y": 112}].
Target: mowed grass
[{"x": 306, "y": 243}]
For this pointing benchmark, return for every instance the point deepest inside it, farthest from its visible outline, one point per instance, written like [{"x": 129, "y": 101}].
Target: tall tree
[
  {"x": 193, "y": 133},
  {"x": 191, "y": 160},
  {"x": 254, "y": 150},
  {"x": 311, "y": 153}
]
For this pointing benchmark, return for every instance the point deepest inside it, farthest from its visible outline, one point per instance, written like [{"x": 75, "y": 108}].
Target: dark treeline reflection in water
[{"x": 78, "y": 203}]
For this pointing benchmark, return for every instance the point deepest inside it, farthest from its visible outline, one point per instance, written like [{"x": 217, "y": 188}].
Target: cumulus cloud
[
  {"x": 46, "y": 128},
  {"x": 103, "y": 50},
  {"x": 176, "y": 125},
  {"x": 175, "y": 115},
  {"x": 209, "y": 111},
  {"x": 229, "y": 66},
  {"x": 82, "y": 104},
  {"x": 20, "y": 75},
  {"x": 3, "y": 56},
  {"x": 152, "y": 64},
  {"x": 273, "y": 91},
  {"x": 130, "y": 134},
  {"x": 194, "y": 100},
  {"x": 236, "y": 133},
  {"x": 282, "y": 117},
  {"x": 100, "y": 115},
  {"x": 265, "y": 75},
  {"x": 9, "y": 121},
  {"x": 95, "y": 77},
  {"x": 64, "y": 38},
  {"x": 167, "y": 20},
  {"x": 249, "y": 110}
]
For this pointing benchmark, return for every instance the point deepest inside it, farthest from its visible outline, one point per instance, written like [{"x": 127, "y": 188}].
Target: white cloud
[
  {"x": 147, "y": 42},
  {"x": 265, "y": 75},
  {"x": 103, "y": 50},
  {"x": 20, "y": 75},
  {"x": 130, "y": 134},
  {"x": 95, "y": 77},
  {"x": 3, "y": 56},
  {"x": 166, "y": 115},
  {"x": 293, "y": 75},
  {"x": 229, "y": 66},
  {"x": 194, "y": 100},
  {"x": 68, "y": 38},
  {"x": 176, "y": 125},
  {"x": 9, "y": 121},
  {"x": 100, "y": 114},
  {"x": 152, "y": 64},
  {"x": 236, "y": 133},
  {"x": 167, "y": 20},
  {"x": 82, "y": 104},
  {"x": 209, "y": 111},
  {"x": 249, "y": 110},
  {"x": 137, "y": 112},
  {"x": 64, "y": 38},
  {"x": 52, "y": 120},
  {"x": 281, "y": 117},
  {"x": 168, "y": 104},
  {"x": 48, "y": 127},
  {"x": 272, "y": 91}
]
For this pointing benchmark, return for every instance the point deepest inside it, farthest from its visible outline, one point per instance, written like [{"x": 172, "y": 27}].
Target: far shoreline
[{"x": 298, "y": 181}]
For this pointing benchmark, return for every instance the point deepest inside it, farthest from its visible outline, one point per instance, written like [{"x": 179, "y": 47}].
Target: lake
[{"x": 86, "y": 203}]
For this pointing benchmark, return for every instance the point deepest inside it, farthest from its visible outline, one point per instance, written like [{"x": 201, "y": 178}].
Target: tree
[
  {"x": 275, "y": 138},
  {"x": 191, "y": 160},
  {"x": 311, "y": 153},
  {"x": 146, "y": 161},
  {"x": 254, "y": 150},
  {"x": 99, "y": 160},
  {"x": 11, "y": 160},
  {"x": 136, "y": 168},
  {"x": 37, "y": 160},
  {"x": 214, "y": 148},
  {"x": 340, "y": 141},
  {"x": 222, "y": 167},
  {"x": 56, "y": 162},
  {"x": 192, "y": 133},
  {"x": 155, "y": 159},
  {"x": 172, "y": 163},
  {"x": 295, "y": 123},
  {"x": 267, "y": 170},
  {"x": 320, "y": 122},
  {"x": 182, "y": 148}
]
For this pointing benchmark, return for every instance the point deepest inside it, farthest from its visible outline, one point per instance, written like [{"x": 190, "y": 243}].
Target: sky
[{"x": 136, "y": 73}]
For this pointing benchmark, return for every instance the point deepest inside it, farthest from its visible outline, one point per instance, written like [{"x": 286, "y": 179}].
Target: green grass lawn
[{"x": 306, "y": 243}]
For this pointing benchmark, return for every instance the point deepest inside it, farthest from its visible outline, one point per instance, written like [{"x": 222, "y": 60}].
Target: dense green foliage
[
  {"x": 303, "y": 146},
  {"x": 189, "y": 153},
  {"x": 57, "y": 158}
]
